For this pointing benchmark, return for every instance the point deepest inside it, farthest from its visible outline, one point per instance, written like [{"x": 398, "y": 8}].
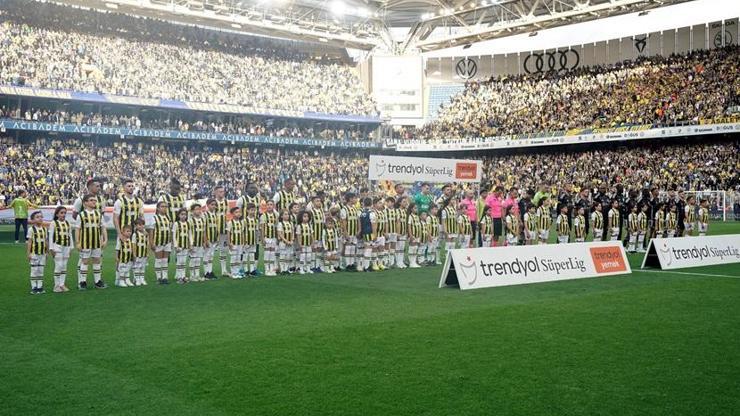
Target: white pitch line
[{"x": 687, "y": 273}]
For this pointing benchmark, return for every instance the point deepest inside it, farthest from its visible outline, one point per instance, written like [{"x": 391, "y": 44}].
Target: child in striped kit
[
  {"x": 36, "y": 250},
  {"x": 197, "y": 224},
  {"x": 124, "y": 257},
  {"x": 141, "y": 251},
  {"x": 182, "y": 243},
  {"x": 60, "y": 247}
]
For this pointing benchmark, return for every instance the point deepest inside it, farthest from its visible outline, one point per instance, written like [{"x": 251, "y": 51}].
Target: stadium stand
[{"x": 441, "y": 94}]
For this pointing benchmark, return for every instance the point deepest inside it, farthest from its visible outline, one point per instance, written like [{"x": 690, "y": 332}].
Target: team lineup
[{"x": 357, "y": 233}]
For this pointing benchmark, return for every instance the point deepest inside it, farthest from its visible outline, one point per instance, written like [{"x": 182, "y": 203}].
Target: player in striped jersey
[
  {"x": 402, "y": 205},
  {"x": 305, "y": 237},
  {"x": 330, "y": 239},
  {"x": 544, "y": 220},
  {"x": 160, "y": 241},
  {"x": 392, "y": 234},
  {"x": 268, "y": 224},
  {"x": 141, "y": 251},
  {"x": 221, "y": 208},
  {"x": 562, "y": 225},
  {"x": 368, "y": 227},
  {"x": 37, "y": 244},
  {"x": 286, "y": 237},
  {"x": 197, "y": 226},
  {"x": 424, "y": 241},
  {"x": 349, "y": 228},
  {"x": 530, "y": 225},
  {"x": 579, "y": 226},
  {"x": 597, "y": 222},
  {"x": 252, "y": 196},
  {"x": 318, "y": 221},
  {"x": 127, "y": 207},
  {"x": 433, "y": 255},
  {"x": 464, "y": 227},
  {"x": 182, "y": 244},
  {"x": 671, "y": 221},
  {"x": 381, "y": 222},
  {"x": 642, "y": 224},
  {"x": 485, "y": 228},
  {"x": 614, "y": 224},
  {"x": 449, "y": 223},
  {"x": 703, "y": 217},
  {"x": 659, "y": 223},
  {"x": 60, "y": 247},
  {"x": 175, "y": 201},
  {"x": 251, "y": 238},
  {"x": 633, "y": 227},
  {"x": 237, "y": 233},
  {"x": 92, "y": 188},
  {"x": 415, "y": 235},
  {"x": 90, "y": 238},
  {"x": 689, "y": 218},
  {"x": 513, "y": 228},
  {"x": 212, "y": 237},
  {"x": 124, "y": 257}
]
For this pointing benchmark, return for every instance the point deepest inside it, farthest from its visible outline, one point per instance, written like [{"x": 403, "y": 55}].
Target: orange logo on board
[
  {"x": 608, "y": 259},
  {"x": 465, "y": 170}
]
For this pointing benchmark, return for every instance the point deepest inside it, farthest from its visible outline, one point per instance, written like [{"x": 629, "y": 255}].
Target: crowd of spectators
[
  {"x": 123, "y": 55},
  {"x": 649, "y": 91},
  {"x": 194, "y": 122},
  {"x": 55, "y": 170}
]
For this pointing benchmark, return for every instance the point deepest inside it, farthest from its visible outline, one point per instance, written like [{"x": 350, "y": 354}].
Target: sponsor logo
[
  {"x": 380, "y": 167},
  {"x": 524, "y": 267},
  {"x": 665, "y": 253},
  {"x": 465, "y": 170},
  {"x": 555, "y": 61},
  {"x": 702, "y": 253},
  {"x": 607, "y": 259},
  {"x": 469, "y": 271},
  {"x": 466, "y": 68}
]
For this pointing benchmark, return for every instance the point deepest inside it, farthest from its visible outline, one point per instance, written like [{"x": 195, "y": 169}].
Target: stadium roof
[{"x": 367, "y": 24}]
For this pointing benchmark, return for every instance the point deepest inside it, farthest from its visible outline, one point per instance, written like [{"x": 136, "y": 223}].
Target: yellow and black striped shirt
[
  {"x": 353, "y": 220},
  {"x": 703, "y": 215},
  {"x": 690, "y": 213},
  {"x": 433, "y": 226},
  {"x": 614, "y": 218},
  {"x": 633, "y": 222},
  {"x": 642, "y": 222},
  {"x": 286, "y": 198},
  {"x": 39, "y": 240},
  {"x": 381, "y": 221},
  {"x": 330, "y": 239},
  {"x": 288, "y": 231},
  {"x": 141, "y": 245},
  {"x": 392, "y": 220},
  {"x": 318, "y": 222},
  {"x": 544, "y": 220},
  {"x": 671, "y": 221},
  {"x": 181, "y": 234},
  {"x": 197, "y": 230},
  {"x": 251, "y": 226},
  {"x": 306, "y": 234},
  {"x": 130, "y": 210},
  {"x": 222, "y": 207},
  {"x": 269, "y": 219},
  {"x": 486, "y": 225},
  {"x": 512, "y": 221},
  {"x": 451, "y": 225},
  {"x": 174, "y": 203},
  {"x": 579, "y": 226},
  {"x": 530, "y": 219},
  {"x": 125, "y": 252},
  {"x": 659, "y": 221},
  {"x": 62, "y": 233},
  {"x": 415, "y": 226},
  {"x": 237, "y": 231},
  {"x": 90, "y": 229},
  {"x": 598, "y": 219},
  {"x": 464, "y": 226},
  {"x": 563, "y": 226},
  {"x": 402, "y": 221},
  {"x": 245, "y": 200},
  {"x": 162, "y": 230},
  {"x": 212, "y": 227}
]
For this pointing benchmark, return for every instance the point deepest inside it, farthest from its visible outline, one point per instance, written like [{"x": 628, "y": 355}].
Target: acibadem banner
[
  {"x": 422, "y": 169},
  {"x": 477, "y": 268},
  {"x": 678, "y": 253}
]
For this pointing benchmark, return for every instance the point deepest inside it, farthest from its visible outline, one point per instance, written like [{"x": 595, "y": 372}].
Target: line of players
[{"x": 378, "y": 234}]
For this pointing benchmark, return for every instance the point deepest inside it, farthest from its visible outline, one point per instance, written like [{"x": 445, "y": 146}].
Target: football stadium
[{"x": 372, "y": 207}]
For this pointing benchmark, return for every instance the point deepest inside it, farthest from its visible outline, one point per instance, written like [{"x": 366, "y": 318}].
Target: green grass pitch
[{"x": 650, "y": 343}]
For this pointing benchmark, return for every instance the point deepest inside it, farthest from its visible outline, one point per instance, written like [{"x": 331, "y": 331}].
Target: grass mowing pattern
[{"x": 373, "y": 343}]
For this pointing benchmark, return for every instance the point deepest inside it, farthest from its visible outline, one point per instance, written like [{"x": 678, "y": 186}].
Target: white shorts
[
  {"x": 688, "y": 226},
  {"x": 62, "y": 252},
  {"x": 236, "y": 251},
  {"x": 544, "y": 235},
  {"x": 563, "y": 239},
  {"x": 332, "y": 253},
  {"x": 167, "y": 247},
  {"x": 451, "y": 236},
  {"x": 38, "y": 260},
  {"x": 379, "y": 242},
  {"x": 90, "y": 254},
  {"x": 392, "y": 238},
  {"x": 703, "y": 226},
  {"x": 598, "y": 234},
  {"x": 124, "y": 268},
  {"x": 465, "y": 241},
  {"x": 512, "y": 239},
  {"x": 270, "y": 243},
  {"x": 318, "y": 245},
  {"x": 486, "y": 241},
  {"x": 530, "y": 235},
  {"x": 140, "y": 263},
  {"x": 615, "y": 233},
  {"x": 197, "y": 252}
]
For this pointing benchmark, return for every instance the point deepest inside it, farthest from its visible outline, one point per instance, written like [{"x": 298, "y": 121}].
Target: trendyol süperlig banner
[
  {"x": 477, "y": 268},
  {"x": 413, "y": 169},
  {"x": 677, "y": 253}
]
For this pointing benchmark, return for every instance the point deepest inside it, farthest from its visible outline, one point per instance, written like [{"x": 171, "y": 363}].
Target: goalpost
[{"x": 717, "y": 202}]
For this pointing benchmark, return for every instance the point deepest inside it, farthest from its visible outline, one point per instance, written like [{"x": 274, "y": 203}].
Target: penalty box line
[{"x": 686, "y": 273}]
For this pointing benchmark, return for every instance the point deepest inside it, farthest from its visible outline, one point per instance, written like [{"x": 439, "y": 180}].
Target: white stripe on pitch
[{"x": 686, "y": 273}]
